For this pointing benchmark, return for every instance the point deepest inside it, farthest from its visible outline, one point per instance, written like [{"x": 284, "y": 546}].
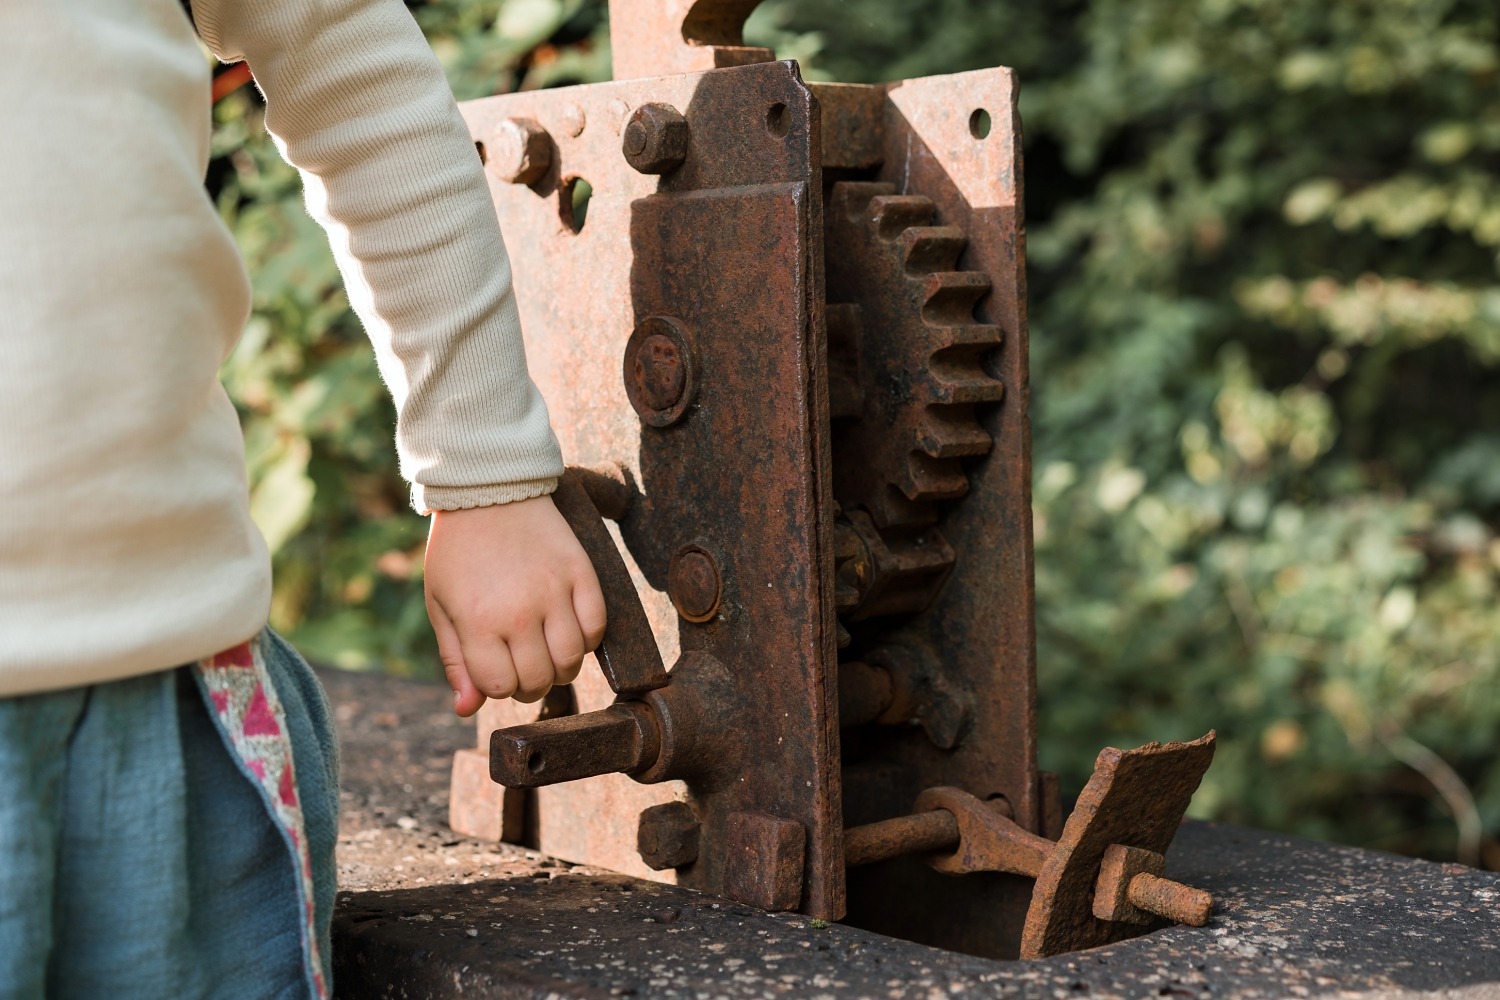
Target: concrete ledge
[{"x": 427, "y": 914}]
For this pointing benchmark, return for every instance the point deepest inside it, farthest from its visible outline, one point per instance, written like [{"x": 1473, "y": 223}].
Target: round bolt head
[
  {"x": 519, "y": 151},
  {"x": 660, "y": 373},
  {"x": 574, "y": 120},
  {"x": 655, "y": 139},
  {"x": 694, "y": 584}
]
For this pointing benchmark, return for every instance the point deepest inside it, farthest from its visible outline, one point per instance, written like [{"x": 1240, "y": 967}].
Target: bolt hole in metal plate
[
  {"x": 573, "y": 202},
  {"x": 778, "y": 121},
  {"x": 980, "y": 124}
]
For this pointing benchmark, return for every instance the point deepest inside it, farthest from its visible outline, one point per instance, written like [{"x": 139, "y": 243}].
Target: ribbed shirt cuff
[{"x": 427, "y": 499}]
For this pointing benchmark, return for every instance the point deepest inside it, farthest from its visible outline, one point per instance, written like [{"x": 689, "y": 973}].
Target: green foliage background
[{"x": 1265, "y": 328}]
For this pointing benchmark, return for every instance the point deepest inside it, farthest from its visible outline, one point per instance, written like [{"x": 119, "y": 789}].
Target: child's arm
[{"x": 358, "y": 103}]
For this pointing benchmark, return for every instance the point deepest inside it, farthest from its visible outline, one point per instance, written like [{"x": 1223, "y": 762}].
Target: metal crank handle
[{"x": 628, "y": 654}]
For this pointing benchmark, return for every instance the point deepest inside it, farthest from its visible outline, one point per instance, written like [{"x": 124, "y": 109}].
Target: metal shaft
[
  {"x": 623, "y": 738},
  {"x": 926, "y": 831},
  {"x": 1176, "y": 902}
]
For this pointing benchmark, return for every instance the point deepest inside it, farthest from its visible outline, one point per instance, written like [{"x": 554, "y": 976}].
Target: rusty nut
[
  {"x": 667, "y": 836},
  {"x": 519, "y": 151},
  {"x": 655, "y": 139}
]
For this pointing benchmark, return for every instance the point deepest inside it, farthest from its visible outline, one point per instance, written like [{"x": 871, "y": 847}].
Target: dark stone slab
[{"x": 461, "y": 919}]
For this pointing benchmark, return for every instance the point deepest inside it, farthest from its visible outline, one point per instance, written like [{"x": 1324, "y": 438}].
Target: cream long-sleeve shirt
[{"x": 126, "y": 544}]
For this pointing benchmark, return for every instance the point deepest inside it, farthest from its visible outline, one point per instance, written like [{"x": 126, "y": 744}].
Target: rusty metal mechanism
[{"x": 781, "y": 327}]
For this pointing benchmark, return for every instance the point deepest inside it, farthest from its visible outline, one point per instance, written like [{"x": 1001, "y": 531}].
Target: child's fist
[{"x": 513, "y": 599}]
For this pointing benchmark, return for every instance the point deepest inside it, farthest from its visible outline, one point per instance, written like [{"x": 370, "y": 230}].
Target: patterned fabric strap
[{"x": 250, "y": 716}]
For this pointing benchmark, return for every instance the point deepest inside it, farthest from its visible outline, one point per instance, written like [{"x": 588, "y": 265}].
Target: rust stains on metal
[
  {"x": 661, "y": 370},
  {"x": 808, "y": 431},
  {"x": 1117, "y": 868},
  {"x": 866, "y": 693},
  {"x": 853, "y": 125},
  {"x": 1170, "y": 900},
  {"x": 938, "y": 457},
  {"x": 609, "y": 488},
  {"x": 1131, "y": 890},
  {"x": 990, "y": 841}
]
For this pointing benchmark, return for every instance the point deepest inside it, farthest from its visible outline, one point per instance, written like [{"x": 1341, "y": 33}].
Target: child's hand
[{"x": 513, "y": 599}]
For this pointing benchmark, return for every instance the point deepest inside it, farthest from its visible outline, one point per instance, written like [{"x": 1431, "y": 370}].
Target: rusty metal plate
[
  {"x": 724, "y": 249},
  {"x": 981, "y": 626},
  {"x": 1136, "y": 798},
  {"x": 658, "y": 37}
]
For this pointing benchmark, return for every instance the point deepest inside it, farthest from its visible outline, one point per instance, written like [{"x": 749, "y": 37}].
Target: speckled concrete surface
[{"x": 425, "y": 913}]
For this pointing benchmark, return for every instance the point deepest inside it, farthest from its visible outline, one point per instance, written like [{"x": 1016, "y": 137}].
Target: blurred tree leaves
[{"x": 1265, "y": 310}]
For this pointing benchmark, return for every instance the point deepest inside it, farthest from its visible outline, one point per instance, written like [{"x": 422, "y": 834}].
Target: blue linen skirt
[{"x": 145, "y": 849}]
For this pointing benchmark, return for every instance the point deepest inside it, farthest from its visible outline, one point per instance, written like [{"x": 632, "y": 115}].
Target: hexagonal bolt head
[
  {"x": 519, "y": 151},
  {"x": 655, "y": 139},
  {"x": 668, "y": 836}
]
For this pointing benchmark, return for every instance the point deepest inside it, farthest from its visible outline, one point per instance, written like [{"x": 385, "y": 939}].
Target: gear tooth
[
  {"x": 932, "y": 248},
  {"x": 930, "y": 479},
  {"x": 973, "y": 339},
  {"x": 893, "y": 214},
  {"x": 952, "y": 434},
  {"x": 949, "y": 297},
  {"x": 961, "y": 382},
  {"x": 852, "y": 198}
]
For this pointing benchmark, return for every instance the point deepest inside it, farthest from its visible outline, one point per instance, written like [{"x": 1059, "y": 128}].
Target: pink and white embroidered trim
[{"x": 250, "y": 715}]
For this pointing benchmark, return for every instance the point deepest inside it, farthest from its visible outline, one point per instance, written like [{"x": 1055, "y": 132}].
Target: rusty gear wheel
[{"x": 906, "y": 356}]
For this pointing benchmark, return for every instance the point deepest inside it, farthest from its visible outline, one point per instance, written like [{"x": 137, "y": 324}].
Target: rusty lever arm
[
  {"x": 628, "y": 655},
  {"x": 978, "y": 836}
]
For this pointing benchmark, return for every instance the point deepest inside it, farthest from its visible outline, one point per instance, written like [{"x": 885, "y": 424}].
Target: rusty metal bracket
[{"x": 1135, "y": 799}]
